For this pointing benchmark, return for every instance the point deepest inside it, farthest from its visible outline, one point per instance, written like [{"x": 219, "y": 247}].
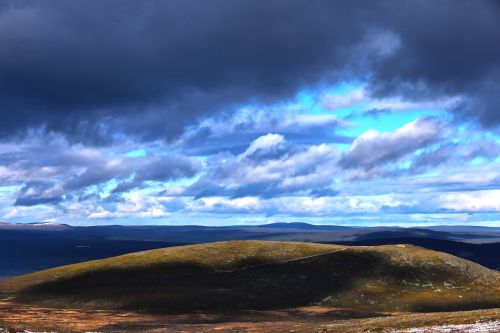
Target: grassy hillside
[
  {"x": 262, "y": 275},
  {"x": 27, "y": 248}
]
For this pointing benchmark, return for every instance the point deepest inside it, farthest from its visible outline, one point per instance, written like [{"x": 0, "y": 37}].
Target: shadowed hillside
[
  {"x": 264, "y": 275},
  {"x": 27, "y": 248}
]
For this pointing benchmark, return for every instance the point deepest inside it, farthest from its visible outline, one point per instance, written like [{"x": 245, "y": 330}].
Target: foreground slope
[
  {"x": 30, "y": 318},
  {"x": 263, "y": 275}
]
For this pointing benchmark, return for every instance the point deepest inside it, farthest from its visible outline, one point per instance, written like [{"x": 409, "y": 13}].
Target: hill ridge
[{"x": 264, "y": 275}]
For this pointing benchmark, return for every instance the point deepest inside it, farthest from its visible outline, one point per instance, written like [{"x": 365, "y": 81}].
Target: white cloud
[
  {"x": 263, "y": 143},
  {"x": 337, "y": 101},
  {"x": 373, "y": 149},
  {"x": 234, "y": 131},
  {"x": 471, "y": 201},
  {"x": 270, "y": 166}
]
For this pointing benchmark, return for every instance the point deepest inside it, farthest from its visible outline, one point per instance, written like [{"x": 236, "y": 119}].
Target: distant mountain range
[
  {"x": 34, "y": 226},
  {"x": 26, "y": 248}
]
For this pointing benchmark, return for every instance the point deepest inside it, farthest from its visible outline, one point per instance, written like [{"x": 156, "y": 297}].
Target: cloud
[
  {"x": 447, "y": 202},
  {"x": 91, "y": 68},
  {"x": 269, "y": 167},
  {"x": 234, "y": 131},
  {"x": 135, "y": 206},
  {"x": 472, "y": 201},
  {"x": 161, "y": 169},
  {"x": 338, "y": 101},
  {"x": 453, "y": 54},
  {"x": 373, "y": 149},
  {"x": 482, "y": 101},
  {"x": 247, "y": 107},
  {"x": 94, "y": 70},
  {"x": 451, "y": 152},
  {"x": 265, "y": 147},
  {"x": 36, "y": 193},
  {"x": 53, "y": 170},
  {"x": 364, "y": 103}
]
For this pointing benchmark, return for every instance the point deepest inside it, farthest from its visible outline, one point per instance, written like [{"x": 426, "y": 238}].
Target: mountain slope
[
  {"x": 27, "y": 248},
  {"x": 483, "y": 254},
  {"x": 262, "y": 275}
]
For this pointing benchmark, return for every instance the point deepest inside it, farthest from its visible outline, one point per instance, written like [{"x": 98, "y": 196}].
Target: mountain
[
  {"x": 297, "y": 226},
  {"x": 227, "y": 276},
  {"x": 464, "y": 228},
  {"x": 484, "y": 254},
  {"x": 26, "y": 248},
  {"x": 276, "y": 231},
  {"x": 48, "y": 226}
]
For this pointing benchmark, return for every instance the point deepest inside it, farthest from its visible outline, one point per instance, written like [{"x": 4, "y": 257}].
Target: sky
[{"x": 224, "y": 112}]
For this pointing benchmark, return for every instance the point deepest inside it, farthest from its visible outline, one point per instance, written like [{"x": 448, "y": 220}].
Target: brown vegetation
[
  {"x": 258, "y": 275},
  {"x": 300, "y": 320}
]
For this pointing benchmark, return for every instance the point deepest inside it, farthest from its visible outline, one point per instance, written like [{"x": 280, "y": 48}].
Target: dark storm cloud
[
  {"x": 149, "y": 67},
  {"x": 93, "y": 68},
  {"x": 446, "y": 48}
]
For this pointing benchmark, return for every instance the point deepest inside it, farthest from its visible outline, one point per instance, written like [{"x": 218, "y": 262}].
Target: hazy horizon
[{"x": 250, "y": 224}]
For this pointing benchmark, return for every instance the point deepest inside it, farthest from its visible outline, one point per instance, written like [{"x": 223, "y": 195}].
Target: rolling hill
[
  {"x": 483, "y": 254},
  {"x": 238, "y": 275},
  {"x": 27, "y": 248}
]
